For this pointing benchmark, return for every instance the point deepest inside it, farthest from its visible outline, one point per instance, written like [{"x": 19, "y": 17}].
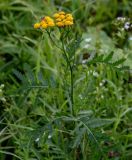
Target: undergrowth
[{"x": 66, "y": 94}]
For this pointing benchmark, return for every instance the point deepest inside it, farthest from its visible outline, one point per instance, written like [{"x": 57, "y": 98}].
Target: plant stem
[
  {"x": 71, "y": 71},
  {"x": 71, "y": 79},
  {"x": 72, "y": 101},
  {"x": 53, "y": 40}
]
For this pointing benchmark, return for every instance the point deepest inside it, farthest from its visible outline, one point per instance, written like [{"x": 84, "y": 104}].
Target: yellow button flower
[
  {"x": 47, "y": 18},
  {"x": 69, "y": 18},
  {"x": 44, "y": 25},
  {"x": 60, "y": 24},
  {"x": 64, "y": 20},
  {"x": 68, "y": 15},
  {"x": 56, "y": 15},
  {"x": 37, "y": 25},
  {"x": 68, "y": 23},
  {"x": 58, "y": 19},
  {"x": 51, "y": 24},
  {"x": 61, "y": 20},
  {"x": 62, "y": 17},
  {"x": 42, "y": 21}
]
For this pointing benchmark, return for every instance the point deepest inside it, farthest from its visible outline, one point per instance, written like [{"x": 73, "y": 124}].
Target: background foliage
[{"x": 35, "y": 122}]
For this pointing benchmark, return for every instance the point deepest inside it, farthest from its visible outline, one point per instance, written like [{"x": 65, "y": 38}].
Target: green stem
[
  {"x": 71, "y": 80},
  {"x": 70, "y": 67},
  {"x": 53, "y": 40},
  {"x": 72, "y": 101}
]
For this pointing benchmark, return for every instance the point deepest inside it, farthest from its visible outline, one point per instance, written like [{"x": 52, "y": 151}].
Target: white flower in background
[
  {"x": 121, "y": 18},
  {"x": 88, "y": 39},
  {"x": 37, "y": 139},
  {"x": 2, "y": 98},
  {"x": 100, "y": 84},
  {"x": 84, "y": 61},
  {"x": 86, "y": 46},
  {"x": 103, "y": 80},
  {"x": 127, "y": 25},
  {"x": 49, "y": 136},
  {"x": 95, "y": 74}
]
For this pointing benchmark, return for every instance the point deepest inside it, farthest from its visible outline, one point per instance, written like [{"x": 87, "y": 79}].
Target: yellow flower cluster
[
  {"x": 63, "y": 19},
  {"x": 45, "y": 23}
]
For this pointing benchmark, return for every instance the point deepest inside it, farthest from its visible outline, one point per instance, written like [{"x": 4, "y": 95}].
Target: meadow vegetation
[{"x": 65, "y": 86}]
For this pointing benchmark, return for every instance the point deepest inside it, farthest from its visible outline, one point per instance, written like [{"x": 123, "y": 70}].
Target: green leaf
[
  {"x": 120, "y": 61},
  {"x": 79, "y": 137},
  {"x": 98, "y": 122},
  {"x": 109, "y": 57}
]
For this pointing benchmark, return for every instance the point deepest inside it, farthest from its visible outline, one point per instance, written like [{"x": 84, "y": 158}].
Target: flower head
[
  {"x": 45, "y": 23},
  {"x": 37, "y": 25},
  {"x": 56, "y": 15},
  {"x": 62, "y": 19}
]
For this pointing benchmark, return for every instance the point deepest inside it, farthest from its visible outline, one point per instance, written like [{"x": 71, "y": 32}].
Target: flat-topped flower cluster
[{"x": 60, "y": 19}]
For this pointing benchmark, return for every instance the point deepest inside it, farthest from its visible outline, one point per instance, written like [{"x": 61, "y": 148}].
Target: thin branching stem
[
  {"x": 71, "y": 80},
  {"x": 70, "y": 67},
  {"x": 53, "y": 40}
]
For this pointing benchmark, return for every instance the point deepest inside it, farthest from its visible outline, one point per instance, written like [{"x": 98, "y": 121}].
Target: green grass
[{"x": 36, "y": 122}]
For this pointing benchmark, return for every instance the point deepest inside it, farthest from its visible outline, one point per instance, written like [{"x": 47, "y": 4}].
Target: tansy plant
[
  {"x": 67, "y": 43},
  {"x": 61, "y": 19}
]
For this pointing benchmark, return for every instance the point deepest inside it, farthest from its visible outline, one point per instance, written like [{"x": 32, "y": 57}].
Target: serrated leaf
[
  {"x": 120, "y": 61},
  {"x": 124, "y": 68},
  {"x": 19, "y": 75},
  {"x": 109, "y": 57},
  {"x": 29, "y": 74}
]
